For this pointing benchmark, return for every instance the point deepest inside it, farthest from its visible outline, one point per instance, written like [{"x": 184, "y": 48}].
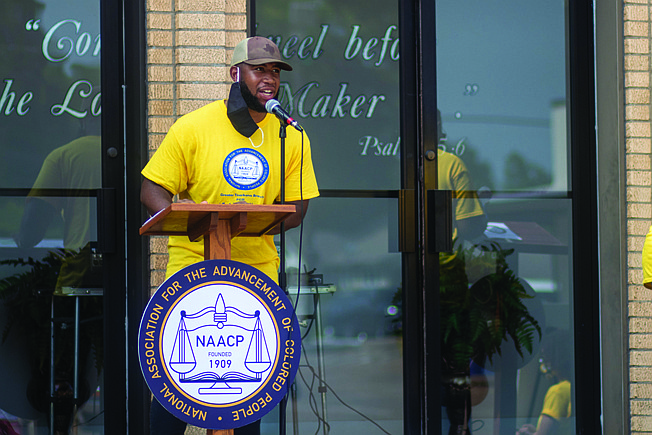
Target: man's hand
[
  {"x": 156, "y": 198},
  {"x": 526, "y": 429},
  {"x": 547, "y": 426},
  {"x": 294, "y": 220}
]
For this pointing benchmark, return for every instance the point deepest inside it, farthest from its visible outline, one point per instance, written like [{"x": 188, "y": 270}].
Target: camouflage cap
[{"x": 257, "y": 51}]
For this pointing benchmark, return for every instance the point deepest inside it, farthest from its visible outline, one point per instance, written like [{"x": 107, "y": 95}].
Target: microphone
[{"x": 274, "y": 107}]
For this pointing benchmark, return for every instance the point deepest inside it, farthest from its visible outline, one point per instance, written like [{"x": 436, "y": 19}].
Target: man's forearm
[
  {"x": 154, "y": 197},
  {"x": 294, "y": 220}
]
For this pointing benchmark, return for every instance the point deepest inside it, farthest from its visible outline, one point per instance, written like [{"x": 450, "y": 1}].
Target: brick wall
[
  {"x": 639, "y": 211},
  {"x": 189, "y": 45}
]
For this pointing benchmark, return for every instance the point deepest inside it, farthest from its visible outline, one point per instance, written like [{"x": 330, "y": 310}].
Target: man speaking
[{"x": 229, "y": 151}]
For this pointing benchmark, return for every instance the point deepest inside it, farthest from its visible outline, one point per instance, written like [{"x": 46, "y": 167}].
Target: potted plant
[
  {"x": 482, "y": 306},
  {"x": 478, "y": 315},
  {"x": 27, "y": 299}
]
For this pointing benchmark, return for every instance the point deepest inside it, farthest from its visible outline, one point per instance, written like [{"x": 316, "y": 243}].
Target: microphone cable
[
  {"x": 294, "y": 308},
  {"x": 312, "y": 400}
]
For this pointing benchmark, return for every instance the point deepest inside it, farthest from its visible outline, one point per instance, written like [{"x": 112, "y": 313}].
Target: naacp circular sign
[
  {"x": 245, "y": 169},
  {"x": 219, "y": 344}
]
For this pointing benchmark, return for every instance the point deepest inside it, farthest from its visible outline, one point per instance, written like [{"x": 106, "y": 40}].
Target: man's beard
[{"x": 252, "y": 102}]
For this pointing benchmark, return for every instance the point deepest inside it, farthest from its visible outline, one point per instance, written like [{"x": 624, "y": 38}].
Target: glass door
[
  {"x": 505, "y": 285},
  {"x": 344, "y": 92},
  {"x": 55, "y": 232},
  {"x": 446, "y": 223}
]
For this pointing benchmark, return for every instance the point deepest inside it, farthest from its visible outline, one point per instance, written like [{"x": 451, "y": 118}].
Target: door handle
[
  {"x": 439, "y": 220},
  {"x": 406, "y": 221}
]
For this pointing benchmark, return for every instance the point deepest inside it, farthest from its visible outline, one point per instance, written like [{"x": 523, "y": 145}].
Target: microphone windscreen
[{"x": 271, "y": 104}]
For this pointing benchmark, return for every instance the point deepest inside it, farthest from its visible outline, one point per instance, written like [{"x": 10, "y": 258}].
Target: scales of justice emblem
[
  {"x": 245, "y": 169},
  {"x": 219, "y": 344},
  {"x": 223, "y": 368},
  {"x": 218, "y": 350}
]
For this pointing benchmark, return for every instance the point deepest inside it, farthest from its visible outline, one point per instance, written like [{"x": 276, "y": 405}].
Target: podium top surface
[{"x": 180, "y": 218}]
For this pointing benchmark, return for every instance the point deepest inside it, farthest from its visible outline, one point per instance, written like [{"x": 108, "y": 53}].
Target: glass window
[
  {"x": 350, "y": 377},
  {"x": 506, "y": 291},
  {"x": 506, "y": 310},
  {"x": 344, "y": 92},
  {"x": 344, "y": 87},
  {"x": 50, "y": 169}
]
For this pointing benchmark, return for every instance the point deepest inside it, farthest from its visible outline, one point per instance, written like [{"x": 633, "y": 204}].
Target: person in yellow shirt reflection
[
  {"x": 452, "y": 174},
  {"x": 470, "y": 222},
  {"x": 58, "y": 193},
  {"x": 63, "y": 191},
  {"x": 75, "y": 165},
  {"x": 557, "y": 365}
]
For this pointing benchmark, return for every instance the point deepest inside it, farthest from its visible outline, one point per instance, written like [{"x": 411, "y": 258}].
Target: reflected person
[
  {"x": 59, "y": 193},
  {"x": 470, "y": 222},
  {"x": 55, "y": 194},
  {"x": 556, "y": 364}
]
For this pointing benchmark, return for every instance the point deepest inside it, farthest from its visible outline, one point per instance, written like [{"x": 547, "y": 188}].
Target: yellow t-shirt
[
  {"x": 453, "y": 175},
  {"x": 203, "y": 158},
  {"x": 557, "y": 403},
  {"x": 76, "y": 165},
  {"x": 647, "y": 260}
]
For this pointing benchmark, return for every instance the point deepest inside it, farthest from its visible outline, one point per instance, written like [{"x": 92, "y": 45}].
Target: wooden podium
[{"x": 218, "y": 223}]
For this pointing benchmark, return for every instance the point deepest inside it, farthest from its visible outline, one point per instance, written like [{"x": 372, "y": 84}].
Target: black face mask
[{"x": 238, "y": 112}]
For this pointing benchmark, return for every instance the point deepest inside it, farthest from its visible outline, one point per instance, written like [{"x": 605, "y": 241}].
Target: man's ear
[{"x": 234, "y": 72}]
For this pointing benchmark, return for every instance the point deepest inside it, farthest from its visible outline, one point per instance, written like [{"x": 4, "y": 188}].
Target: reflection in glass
[
  {"x": 555, "y": 376},
  {"x": 481, "y": 299},
  {"x": 69, "y": 373},
  {"x": 344, "y": 91},
  {"x": 50, "y": 169},
  {"x": 506, "y": 295},
  {"x": 67, "y": 170},
  {"x": 344, "y": 88},
  {"x": 346, "y": 243}
]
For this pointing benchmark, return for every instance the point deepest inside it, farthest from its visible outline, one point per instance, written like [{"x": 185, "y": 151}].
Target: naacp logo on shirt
[
  {"x": 219, "y": 344},
  {"x": 245, "y": 169}
]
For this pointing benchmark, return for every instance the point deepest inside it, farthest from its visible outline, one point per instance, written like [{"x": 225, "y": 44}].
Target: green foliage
[
  {"x": 477, "y": 317},
  {"x": 27, "y": 298},
  {"x": 481, "y": 306},
  {"x": 521, "y": 174}
]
